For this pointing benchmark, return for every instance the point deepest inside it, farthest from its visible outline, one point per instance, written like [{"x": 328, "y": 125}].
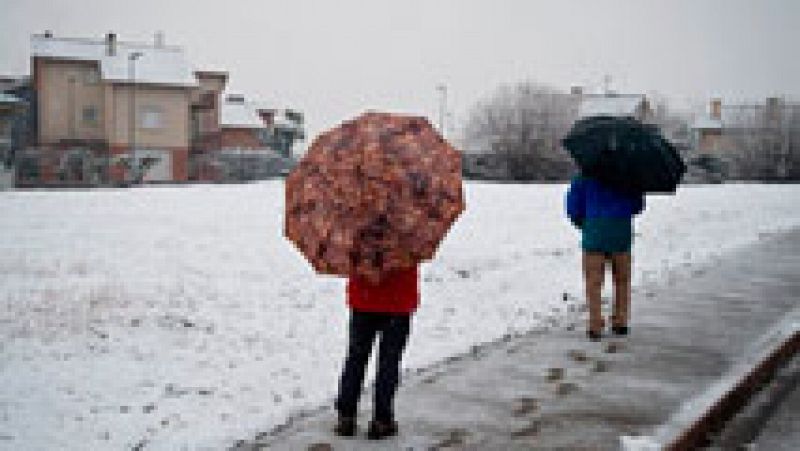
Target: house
[
  {"x": 110, "y": 111},
  {"x": 708, "y": 130},
  {"x": 758, "y": 134},
  {"x": 241, "y": 125},
  {"x": 104, "y": 111},
  {"x": 718, "y": 130},
  {"x": 12, "y": 109},
  {"x": 244, "y": 147}
]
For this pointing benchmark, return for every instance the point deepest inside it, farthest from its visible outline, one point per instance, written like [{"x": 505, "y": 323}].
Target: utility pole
[
  {"x": 132, "y": 114},
  {"x": 442, "y": 107},
  {"x": 71, "y": 106},
  {"x": 607, "y": 84}
]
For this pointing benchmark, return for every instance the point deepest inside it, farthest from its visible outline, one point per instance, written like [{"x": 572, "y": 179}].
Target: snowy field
[{"x": 181, "y": 318}]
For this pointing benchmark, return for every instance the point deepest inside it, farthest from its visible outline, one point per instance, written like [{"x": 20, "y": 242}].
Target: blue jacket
[{"x": 603, "y": 215}]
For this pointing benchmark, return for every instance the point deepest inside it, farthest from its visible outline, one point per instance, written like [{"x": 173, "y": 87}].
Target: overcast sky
[{"x": 334, "y": 59}]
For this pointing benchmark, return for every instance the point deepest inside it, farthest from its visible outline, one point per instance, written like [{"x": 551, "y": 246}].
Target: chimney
[
  {"x": 158, "y": 39},
  {"x": 576, "y": 90},
  {"x": 111, "y": 44},
  {"x": 716, "y": 109},
  {"x": 773, "y": 110}
]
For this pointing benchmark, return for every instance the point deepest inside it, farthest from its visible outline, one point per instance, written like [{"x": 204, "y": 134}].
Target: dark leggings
[{"x": 364, "y": 327}]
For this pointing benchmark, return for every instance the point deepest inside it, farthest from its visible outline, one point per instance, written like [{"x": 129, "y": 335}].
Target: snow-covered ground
[{"x": 181, "y": 318}]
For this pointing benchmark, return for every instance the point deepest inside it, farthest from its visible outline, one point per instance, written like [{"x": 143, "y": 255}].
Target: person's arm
[{"x": 576, "y": 202}]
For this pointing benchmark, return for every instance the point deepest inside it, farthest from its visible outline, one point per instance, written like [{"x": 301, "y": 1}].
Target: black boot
[
  {"x": 381, "y": 429},
  {"x": 345, "y": 427},
  {"x": 619, "y": 330}
]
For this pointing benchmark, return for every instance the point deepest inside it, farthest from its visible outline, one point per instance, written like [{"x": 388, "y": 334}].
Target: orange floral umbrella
[{"x": 376, "y": 194}]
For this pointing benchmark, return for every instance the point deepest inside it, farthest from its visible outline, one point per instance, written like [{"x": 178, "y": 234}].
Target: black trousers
[{"x": 364, "y": 328}]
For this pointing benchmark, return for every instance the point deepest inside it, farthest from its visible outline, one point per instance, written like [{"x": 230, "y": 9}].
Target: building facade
[
  {"x": 751, "y": 140},
  {"x": 109, "y": 112}
]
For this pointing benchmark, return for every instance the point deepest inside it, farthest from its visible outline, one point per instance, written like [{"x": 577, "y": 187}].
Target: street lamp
[
  {"x": 442, "y": 107},
  {"x": 132, "y": 57}
]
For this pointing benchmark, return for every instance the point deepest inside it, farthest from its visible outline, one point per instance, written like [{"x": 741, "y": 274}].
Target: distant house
[
  {"x": 717, "y": 130},
  {"x": 708, "y": 130},
  {"x": 12, "y": 111},
  {"x": 734, "y": 131},
  {"x": 245, "y": 146},
  {"x": 11, "y": 107},
  {"x": 103, "y": 111},
  {"x": 111, "y": 111},
  {"x": 241, "y": 125}
]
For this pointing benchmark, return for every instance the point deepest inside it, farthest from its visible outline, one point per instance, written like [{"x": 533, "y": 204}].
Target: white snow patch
[{"x": 181, "y": 316}]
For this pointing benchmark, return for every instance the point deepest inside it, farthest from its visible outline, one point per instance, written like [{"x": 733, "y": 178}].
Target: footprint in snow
[
  {"x": 532, "y": 430},
  {"x": 555, "y": 374},
  {"x": 525, "y": 406},
  {"x": 600, "y": 366},
  {"x": 565, "y": 388},
  {"x": 578, "y": 355},
  {"x": 455, "y": 439},
  {"x": 320, "y": 447}
]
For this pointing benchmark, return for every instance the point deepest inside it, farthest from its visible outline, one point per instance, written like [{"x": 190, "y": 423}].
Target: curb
[{"x": 691, "y": 424}]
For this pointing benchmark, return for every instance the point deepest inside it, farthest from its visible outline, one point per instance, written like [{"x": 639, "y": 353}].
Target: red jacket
[{"x": 398, "y": 292}]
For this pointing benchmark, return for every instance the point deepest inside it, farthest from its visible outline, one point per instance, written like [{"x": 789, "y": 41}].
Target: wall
[
  {"x": 64, "y": 89},
  {"x": 173, "y": 104},
  {"x": 240, "y": 138}
]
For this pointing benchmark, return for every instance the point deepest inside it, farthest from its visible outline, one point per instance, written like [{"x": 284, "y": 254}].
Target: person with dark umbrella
[{"x": 620, "y": 159}]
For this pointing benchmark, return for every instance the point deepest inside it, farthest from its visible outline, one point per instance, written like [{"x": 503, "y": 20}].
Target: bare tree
[
  {"x": 524, "y": 124},
  {"x": 764, "y": 142}
]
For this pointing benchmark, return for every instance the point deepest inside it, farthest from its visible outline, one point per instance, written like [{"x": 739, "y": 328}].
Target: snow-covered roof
[
  {"x": 742, "y": 116},
  {"x": 280, "y": 120},
  {"x": 157, "y": 64},
  {"x": 611, "y": 105},
  {"x": 239, "y": 113},
  {"x": 707, "y": 123}
]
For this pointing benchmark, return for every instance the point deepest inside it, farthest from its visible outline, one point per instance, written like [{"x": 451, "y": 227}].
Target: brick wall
[{"x": 242, "y": 138}]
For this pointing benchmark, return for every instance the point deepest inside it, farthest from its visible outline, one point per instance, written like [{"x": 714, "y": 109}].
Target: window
[
  {"x": 151, "y": 117},
  {"x": 89, "y": 115},
  {"x": 91, "y": 77}
]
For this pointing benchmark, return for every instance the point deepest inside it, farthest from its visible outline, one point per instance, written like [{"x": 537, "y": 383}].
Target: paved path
[
  {"x": 557, "y": 390},
  {"x": 782, "y": 431},
  {"x": 779, "y": 428}
]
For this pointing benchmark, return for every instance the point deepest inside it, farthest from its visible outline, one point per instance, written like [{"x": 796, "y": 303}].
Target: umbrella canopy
[
  {"x": 376, "y": 194},
  {"x": 625, "y": 154}
]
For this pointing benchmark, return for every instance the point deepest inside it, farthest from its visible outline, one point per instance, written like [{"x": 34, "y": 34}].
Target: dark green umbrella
[{"x": 625, "y": 154}]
